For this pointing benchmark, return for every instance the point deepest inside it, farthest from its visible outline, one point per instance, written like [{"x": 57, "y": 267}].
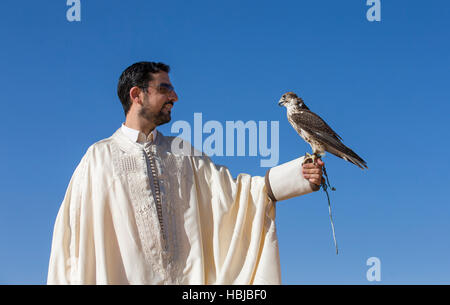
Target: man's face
[{"x": 158, "y": 99}]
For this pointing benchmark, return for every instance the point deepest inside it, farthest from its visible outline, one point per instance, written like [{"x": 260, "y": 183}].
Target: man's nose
[{"x": 173, "y": 96}]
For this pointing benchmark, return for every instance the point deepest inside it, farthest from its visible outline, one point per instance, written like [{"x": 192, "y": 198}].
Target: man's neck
[{"x": 141, "y": 126}]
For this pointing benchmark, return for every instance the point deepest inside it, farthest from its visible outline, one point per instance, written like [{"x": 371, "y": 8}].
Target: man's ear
[{"x": 135, "y": 95}]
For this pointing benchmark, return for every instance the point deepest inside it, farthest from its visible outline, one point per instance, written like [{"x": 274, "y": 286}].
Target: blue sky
[{"x": 383, "y": 86}]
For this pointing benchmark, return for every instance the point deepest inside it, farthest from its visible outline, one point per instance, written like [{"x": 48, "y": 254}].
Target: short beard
[{"x": 157, "y": 118}]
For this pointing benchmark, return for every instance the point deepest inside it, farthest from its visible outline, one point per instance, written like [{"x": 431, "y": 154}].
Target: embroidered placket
[{"x": 157, "y": 191}]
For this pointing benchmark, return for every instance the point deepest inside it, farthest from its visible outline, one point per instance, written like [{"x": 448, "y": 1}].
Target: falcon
[{"x": 316, "y": 132}]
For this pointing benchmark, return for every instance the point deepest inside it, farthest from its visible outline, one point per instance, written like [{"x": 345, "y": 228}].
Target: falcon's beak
[{"x": 280, "y": 103}]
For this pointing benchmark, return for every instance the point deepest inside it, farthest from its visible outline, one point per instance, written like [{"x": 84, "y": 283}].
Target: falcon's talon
[
  {"x": 307, "y": 158},
  {"x": 313, "y": 157}
]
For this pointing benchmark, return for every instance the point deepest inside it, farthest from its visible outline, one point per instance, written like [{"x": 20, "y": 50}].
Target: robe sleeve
[
  {"x": 286, "y": 181},
  {"x": 63, "y": 264},
  {"x": 237, "y": 220}
]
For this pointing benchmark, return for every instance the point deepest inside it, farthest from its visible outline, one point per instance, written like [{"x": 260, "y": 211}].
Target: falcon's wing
[
  {"x": 307, "y": 118},
  {"x": 316, "y": 127}
]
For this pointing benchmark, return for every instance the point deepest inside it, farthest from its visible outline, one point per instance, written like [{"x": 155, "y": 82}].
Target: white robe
[{"x": 210, "y": 229}]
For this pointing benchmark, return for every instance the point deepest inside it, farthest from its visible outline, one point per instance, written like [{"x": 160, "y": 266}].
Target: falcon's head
[{"x": 291, "y": 100}]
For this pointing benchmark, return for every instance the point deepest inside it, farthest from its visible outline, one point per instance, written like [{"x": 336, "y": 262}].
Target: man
[{"x": 136, "y": 212}]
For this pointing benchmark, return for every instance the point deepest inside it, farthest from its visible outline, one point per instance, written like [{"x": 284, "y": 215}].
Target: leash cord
[{"x": 325, "y": 186}]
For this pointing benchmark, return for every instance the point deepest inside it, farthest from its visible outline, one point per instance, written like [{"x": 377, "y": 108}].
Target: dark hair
[{"x": 138, "y": 74}]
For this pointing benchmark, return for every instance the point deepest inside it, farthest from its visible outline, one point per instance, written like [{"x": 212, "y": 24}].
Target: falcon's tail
[
  {"x": 350, "y": 156},
  {"x": 357, "y": 161}
]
